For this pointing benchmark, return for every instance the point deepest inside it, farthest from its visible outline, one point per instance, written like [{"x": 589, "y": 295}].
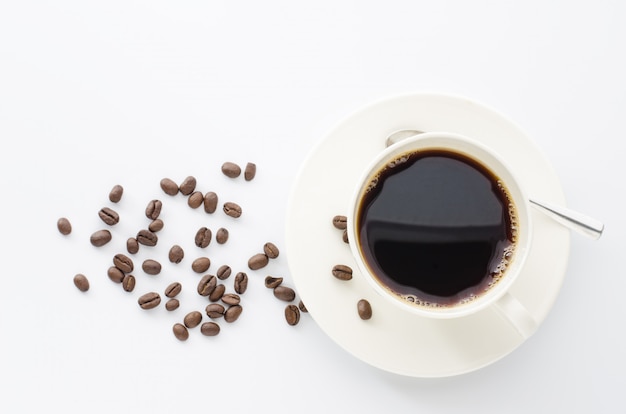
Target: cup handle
[{"x": 516, "y": 314}]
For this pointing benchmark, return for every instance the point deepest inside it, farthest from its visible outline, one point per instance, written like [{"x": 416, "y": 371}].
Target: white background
[{"x": 128, "y": 92}]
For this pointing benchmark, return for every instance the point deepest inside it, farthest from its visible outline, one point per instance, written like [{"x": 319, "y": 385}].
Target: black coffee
[{"x": 436, "y": 227}]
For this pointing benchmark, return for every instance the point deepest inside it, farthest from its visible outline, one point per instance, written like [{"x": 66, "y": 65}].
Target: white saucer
[{"x": 395, "y": 340}]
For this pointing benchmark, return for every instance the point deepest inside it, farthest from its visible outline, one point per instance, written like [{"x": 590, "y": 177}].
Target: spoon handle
[{"x": 583, "y": 224}]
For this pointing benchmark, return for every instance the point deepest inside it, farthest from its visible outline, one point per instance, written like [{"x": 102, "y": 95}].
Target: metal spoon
[{"x": 579, "y": 222}]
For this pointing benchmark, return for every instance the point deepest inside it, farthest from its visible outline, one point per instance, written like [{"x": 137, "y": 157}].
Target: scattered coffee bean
[
  {"x": 123, "y": 262},
  {"x": 217, "y": 293},
  {"x": 173, "y": 289},
  {"x": 342, "y": 272},
  {"x": 241, "y": 282},
  {"x": 271, "y": 250},
  {"x": 302, "y": 307},
  {"x": 116, "y": 193},
  {"x": 210, "y": 202},
  {"x": 169, "y": 187},
  {"x": 201, "y": 264},
  {"x": 250, "y": 171},
  {"x": 149, "y": 300},
  {"x": 176, "y": 254},
  {"x": 292, "y": 314},
  {"x": 128, "y": 283},
  {"x": 156, "y": 225},
  {"x": 147, "y": 238},
  {"x": 81, "y": 282},
  {"x": 115, "y": 274},
  {"x": 364, "y": 309},
  {"x": 209, "y": 329},
  {"x": 195, "y": 199},
  {"x": 100, "y": 238},
  {"x": 231, "y": 298},
  {"x": 192, "y": 319},
  {"x": 340, "y": 222},
  {"x": 207, "y": 285},
  {"x": 232, "y": 209},
  {"x": 215, "y": 310},
  {"x": 109, "y": 216},
  {"x": 172, "y": 304},
  {"x": 223, "y": 272},
  {"x": 258, "y": 261},
  {"x": 203, "y": 237},
  {"x": 64, "y": 226},
  {"x": 187, "y": 186},
  {"x": 222, "y": 235},
  {"x": 232, "y": 313},
  {"x": 132, "y": 245},
  {"x": 153, "y": 209},
  {"x": 271, "y": 282},
  {"x": 180, "y": 332},
  {"x": 230, "y": 169},
  {"x": 284, "y": 293},
  {"x": 151, "y": 267},
  {"x": 344, "y": 236}
]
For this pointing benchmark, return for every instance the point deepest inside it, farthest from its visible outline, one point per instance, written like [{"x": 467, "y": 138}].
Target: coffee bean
[
  {"x": 81, "y": 282},
  {"x": 271, "y": 250},
  {"x": 156, "y": 225},
  {"x": 116, "y": 193},
  {"x": 292, "y": 314},
  {"x": 258, "y": 261},
  {"x": 344, "y": 236},
  {"x": 147, "y": 238},
  {"x": 128, "y": 283},
  {"x": 132, "y": 245},
  {"x": 172, "y": 304},
  {"x": 115, "y": 274},
  {"x": 241, "y": 282},
  {"x": 271, "y": 282},
  {"x": 64, "y": 226},
  {"x": 169, "y": 187},
  {"x": 230, "y": 169},
  {"x": 210, "y": 329},
  {"x": 176, "y": 254},
  {"x": 342, "y": 272},
  {"x": 100, "y": 238},
  {"x": 231, "y": 298},
  {"x": 223, "y": 272},
  {"x": 201, "y": 264},
  {"x": 215, "y": 310},
  {"x": 207, "y": 285},
  {"x": 109, "y": 216},
  {"x": 302, "y": 307},
  {"x": 173, "y": 289},
  {"x": 203, "y": 237},
  {"x": 340, "y": 222},
  {"x": 187, "y": 186},
  {"x": 217, "y": 293},
  {"x": 250, "y": 171},
  {"x": 123, "y": 262},
  {"x": 284, "y": 293},
  {"x": 364, "y": 309},
  {"x": 232, "y": 313},
  {"x": 180, "y": 332},
  {"x": 192, "y": 319},
  {"x": 195, "y": 199},
  {"x": 149, "y": 300},
  {"x": 153, "y": 209},
  {"x": 210, "y": 202},
  {"x": 222, "y": 235},
  {"x": 151, "y": 267},
  {"x": 232, "y": 209}
]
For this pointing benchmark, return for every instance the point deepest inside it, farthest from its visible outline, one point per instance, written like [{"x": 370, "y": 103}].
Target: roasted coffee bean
[
  {"x": 203, "y": 237},
  {"x": 169, "y": 187},
  {"x": 292, "y": 314},
  {"x": 241, "y": 282},
  {"x": 250, "y": 171},
  {"x": 115, "y": 274},
  {"x": 302, "y": 307},
  {"x": 176, "y": 254},
  {"x": 147, "y": 238},
  {"x": 116, "y": 193},
  {"x": 231, "y": 298},
  {"x": 230, "y": 169},
  {"x": 217, "y": 293},
  {"x": 195, "y": 199},
  {"x": 149, "y": 300},
  {"x": 201, "y": 264},
  {"x": 210, "y": 202},
  {"x": 284, "y": 293},
  {"x": 153, "y": 209},
  {"x": 344, "y": 236},
  {"x": 223, "y": 272},
  {"x": 215, "y": 310},
  {"x": 221, "y": 236},
  {"x": 232, "y": 313},
  {"x": 172, "y": 304},
  {"x": 364, "y": 309},
  {"x": 270, "y": 250},
  {"x": 271, "y": 282},
  {"x": 173, "y": 289},
  {"x": 258, "y": 261},
  {"x": 187, "y": 186},
  {"x": 342, "y": 272},
  {"x": 209, "y": 329},
  {"x": 192, "y": 319},
  {"x": 100, "y": 238},
  {"x": 180, "y": 332},
  {"x": 109, "y": 216},
  {"x": 151, "y": 267},
  {"x": 64, "y": 226},
  {"x": 340, "y": 222},
  {"x": 207, "y": 285},
  {"x": 128, "y": 283},
  {"x": 156, "y": 225},
  {"x": 232, "y": 209},
  {"x": 123, "y": 262},
  {"x": 81, "y": 282},
  {"x": 132, "y": 245}
]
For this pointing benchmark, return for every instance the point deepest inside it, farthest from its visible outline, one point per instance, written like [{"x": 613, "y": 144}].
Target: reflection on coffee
[{"x": 436, "y": 228}]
